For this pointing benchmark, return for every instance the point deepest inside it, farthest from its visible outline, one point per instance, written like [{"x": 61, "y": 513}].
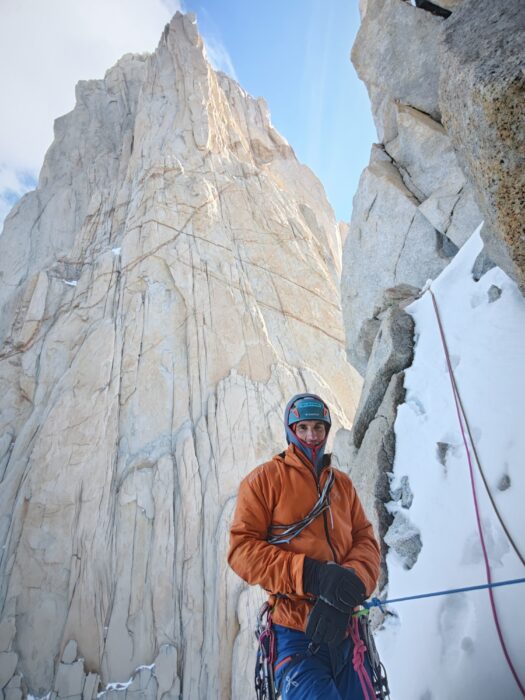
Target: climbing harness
[
  {"x": 282, "y": 534},
  {"x": 265, "y": 688},
  {"x": 462, "y": 422},
  {"x": 374, "y": 688}
]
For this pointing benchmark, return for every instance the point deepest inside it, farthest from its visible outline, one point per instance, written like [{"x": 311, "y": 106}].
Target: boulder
[
  {"x": 482, "y": 99},
  {"x": 90, "y": 690},
  {"x": 370, "y": 466},
  {"x": 70, "y": 652},
  {"x": 13, "y": 690},
  {"x": 427, "y": 162},
  {"x": 403, "y": 493}
]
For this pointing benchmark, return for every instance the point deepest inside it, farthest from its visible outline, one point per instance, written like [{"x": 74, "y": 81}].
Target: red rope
[
  {"x": 358, "y": 661},
  {"x": 461, "y": 419}
]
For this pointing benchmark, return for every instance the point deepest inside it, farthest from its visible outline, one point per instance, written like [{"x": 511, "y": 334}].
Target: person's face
[{"x": 313, "y": 432}]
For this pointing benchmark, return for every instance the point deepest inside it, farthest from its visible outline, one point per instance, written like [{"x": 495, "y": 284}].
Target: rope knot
[{"x": 359, "y": 654}]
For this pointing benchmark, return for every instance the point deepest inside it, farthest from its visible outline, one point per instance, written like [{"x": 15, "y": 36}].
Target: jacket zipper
[{"x": 325, "y": 520}]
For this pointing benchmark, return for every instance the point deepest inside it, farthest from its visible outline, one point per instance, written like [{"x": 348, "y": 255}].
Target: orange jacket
[{"x": 284, "y": 490}]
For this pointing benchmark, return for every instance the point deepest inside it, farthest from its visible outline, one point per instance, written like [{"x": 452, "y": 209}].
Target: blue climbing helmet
[{"x": 307, "y": 407}]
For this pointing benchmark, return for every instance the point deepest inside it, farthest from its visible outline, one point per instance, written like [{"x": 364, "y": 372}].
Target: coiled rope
[{"x": 281, "y": 534}]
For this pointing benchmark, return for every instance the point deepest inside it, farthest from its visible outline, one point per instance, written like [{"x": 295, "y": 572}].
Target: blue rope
[{"x": 375, "y": 602}]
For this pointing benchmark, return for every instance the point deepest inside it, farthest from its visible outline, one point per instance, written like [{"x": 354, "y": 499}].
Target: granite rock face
[
  {"x": 448, "y": 100},
  {"x": 482, "y": 96},
  {"x": 371, "y": 464},
  {"x": 414, "y": 206},
  {"x": 171, "y": 281},
  {"x": 413, "y": 210},
  {"x": 392, "y": 352},
  {"x": 396, "y": 55},
  {"x": 390, "y": 243}
]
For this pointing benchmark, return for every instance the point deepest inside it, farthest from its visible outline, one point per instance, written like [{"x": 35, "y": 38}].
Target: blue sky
[{"x": 294, "y": 53}]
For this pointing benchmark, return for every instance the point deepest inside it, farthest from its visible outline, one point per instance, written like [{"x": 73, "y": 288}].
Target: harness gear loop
[{"x": 264, "y": 676}]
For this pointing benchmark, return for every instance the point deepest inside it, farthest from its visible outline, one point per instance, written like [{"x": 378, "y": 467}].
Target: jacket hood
[{"x": 313, "y": 454}]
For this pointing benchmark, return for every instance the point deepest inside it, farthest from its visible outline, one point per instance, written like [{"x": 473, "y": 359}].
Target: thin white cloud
[
  {"x": 216, "y": 51},
  {"x": 321, "y": 25},
  {"x": 45, "y": 49},
  {"x": 13, "y": 185},
  {"x": 218, "y": 56}
]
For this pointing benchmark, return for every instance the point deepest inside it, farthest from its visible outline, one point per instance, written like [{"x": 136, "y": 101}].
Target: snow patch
[
  {"x": 124, "y": 685},
  {"x": 447, "y": 648}
]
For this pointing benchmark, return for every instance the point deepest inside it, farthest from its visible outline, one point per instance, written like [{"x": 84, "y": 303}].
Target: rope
[
  {"x": 375, "y": 602},
  {"x": 283, "y": 534},
  {"x": 473, "y": 445},
  {"x": 462, "y": 418},
  {"x": 358, "y": 661}
]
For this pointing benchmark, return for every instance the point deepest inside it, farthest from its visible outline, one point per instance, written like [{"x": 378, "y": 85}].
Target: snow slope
[{"x": 447, "y": 648}]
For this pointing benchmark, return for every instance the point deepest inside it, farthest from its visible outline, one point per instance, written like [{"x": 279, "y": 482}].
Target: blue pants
[{"x": 326, "y": 675}]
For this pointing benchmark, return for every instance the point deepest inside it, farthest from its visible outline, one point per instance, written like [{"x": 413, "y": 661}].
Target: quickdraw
[{"x": 264, "y": 676}]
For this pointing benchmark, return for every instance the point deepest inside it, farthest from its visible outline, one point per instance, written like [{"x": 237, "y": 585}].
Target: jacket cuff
[{"x": 297, "y": 571}]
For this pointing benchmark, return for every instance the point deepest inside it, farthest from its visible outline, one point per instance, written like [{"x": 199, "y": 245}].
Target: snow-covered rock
[
  {"x": 417, "y": 477},
  {"x": 452, "y": 640}
]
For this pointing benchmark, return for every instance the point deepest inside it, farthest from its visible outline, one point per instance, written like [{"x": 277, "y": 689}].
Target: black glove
[
  {"x": 326, "y": 624},
  {"x": 336, "y": 585}
]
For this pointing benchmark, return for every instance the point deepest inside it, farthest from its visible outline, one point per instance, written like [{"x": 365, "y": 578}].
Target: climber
[{"x": 300, "y": 532}]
